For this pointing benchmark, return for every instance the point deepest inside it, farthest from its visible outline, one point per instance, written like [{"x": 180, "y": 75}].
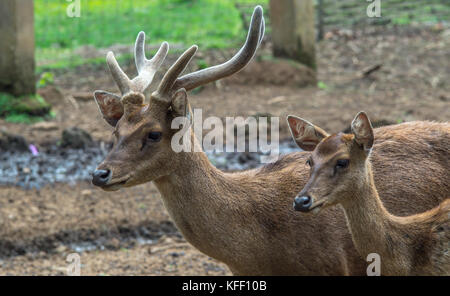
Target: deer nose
[
  {"x": 302, "y": 203},
  {"x": 101, "y": 177}
]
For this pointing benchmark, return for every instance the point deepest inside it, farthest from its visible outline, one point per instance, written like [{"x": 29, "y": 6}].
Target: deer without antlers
[
  {"x": 243, "y": 219},
  {"x": 341, "y": 173}
]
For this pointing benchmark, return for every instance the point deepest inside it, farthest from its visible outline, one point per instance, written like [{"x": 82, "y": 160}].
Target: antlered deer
[
  {"x": 341, "y": 173},
  {"x": 245, "y": 219}
]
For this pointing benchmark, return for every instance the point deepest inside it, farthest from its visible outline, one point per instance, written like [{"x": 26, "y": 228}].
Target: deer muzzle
[
  {"x": 302, "y": 203},
  {"x": 101, "y": 177}
]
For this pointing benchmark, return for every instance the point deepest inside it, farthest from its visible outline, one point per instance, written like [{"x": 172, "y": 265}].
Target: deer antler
[
  {"x": 235, "y": 64},
  {"x": 171, "y": 82},
  {"x": 146, "y": 68},
  {"x": 166, "y": 85}
]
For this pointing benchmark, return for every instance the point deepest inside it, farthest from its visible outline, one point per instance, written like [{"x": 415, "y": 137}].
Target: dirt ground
[{"x": 38, "y": 228}]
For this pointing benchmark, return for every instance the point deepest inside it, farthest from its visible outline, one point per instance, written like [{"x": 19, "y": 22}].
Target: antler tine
[
  {"x": 175, "y": 70},
  {"x": 139, "y": 51},
  {"x": 236, "y": 63},
  {"x": 263, "y": 30},
  {"x": 147, "y": 68},
  {"x": 121, "y": 79}
]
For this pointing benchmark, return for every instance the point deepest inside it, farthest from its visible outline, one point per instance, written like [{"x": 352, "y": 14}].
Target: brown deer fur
[
  {"x": 246, "y": 219},
  {"x": 414, "y": 245}
]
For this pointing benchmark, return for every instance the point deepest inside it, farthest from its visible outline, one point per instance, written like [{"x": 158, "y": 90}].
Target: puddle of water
[
  {"x": 71, "y": 165},
  {"x": 84, "y": 246},
  {"x": 237, "y": 161},
  {"x": 50, "y": 166}
]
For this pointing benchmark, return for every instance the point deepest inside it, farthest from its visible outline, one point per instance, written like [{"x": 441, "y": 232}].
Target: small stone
[
  {"x": 86, "y": 192},
  {"x": 45, "y": 126},
  {"x": 83, "y": 96},
  {"x": 166, "y": 240},
  {"x": 113, "y": 244},
  {"x": 61, "y": 249},
  {"x": 34, "y": 209},
  {"x": 76, "y": 138},
  {"x": 170, "y": 268},
  {"x": 11, "y": 142}
]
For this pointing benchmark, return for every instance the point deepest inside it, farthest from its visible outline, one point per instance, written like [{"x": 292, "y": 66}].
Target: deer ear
[
  {"x": 180, "y": 104},
  {"x": 363, "y": 131},
  {"x": 110, "y": 106},
  {"x": 305, "y": 134}
]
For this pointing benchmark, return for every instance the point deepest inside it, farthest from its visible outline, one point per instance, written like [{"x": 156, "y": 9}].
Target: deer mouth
[
  {"x": 308, "y": 204},
  {"x": 316, "y": 206},
  {"x": 114, "y": 186}
]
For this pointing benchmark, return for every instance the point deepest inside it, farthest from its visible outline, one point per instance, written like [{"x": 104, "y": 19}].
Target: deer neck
[
  {"x": 373, "y": 229},
  {"x": 197, "y": 197}
]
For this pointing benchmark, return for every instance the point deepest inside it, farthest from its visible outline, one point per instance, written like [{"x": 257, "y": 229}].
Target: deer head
[
  {"x": 142, "y": 150},
  {"x": 337, "y": 163}
]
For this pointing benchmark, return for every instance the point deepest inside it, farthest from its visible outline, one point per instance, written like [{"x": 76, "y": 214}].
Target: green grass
[
  {"x": 208, "y": 23},
  {"x": 23, "y": 118},
  {"x": 26, "y": 109},
  {"x": 213, "y": 23}
]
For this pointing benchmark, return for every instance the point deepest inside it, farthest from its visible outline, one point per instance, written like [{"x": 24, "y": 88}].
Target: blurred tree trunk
[
  {"x": 17, "y": 63},
  {"x": 293, "y": 32},
  {"x": 320, "y": 15}
]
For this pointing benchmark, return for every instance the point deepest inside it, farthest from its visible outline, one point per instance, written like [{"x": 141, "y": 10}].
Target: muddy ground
[{"x": 129, "y": 232}]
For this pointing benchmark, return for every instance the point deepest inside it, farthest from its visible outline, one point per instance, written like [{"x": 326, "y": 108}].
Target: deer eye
[
  {"x": 342, "y": 163},
  {"x": 309, "y": 162},
  {"x": 154, "y": 136}
]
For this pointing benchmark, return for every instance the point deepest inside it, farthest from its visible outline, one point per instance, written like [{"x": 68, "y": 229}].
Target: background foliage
[{"x": 208, "y": 23}]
